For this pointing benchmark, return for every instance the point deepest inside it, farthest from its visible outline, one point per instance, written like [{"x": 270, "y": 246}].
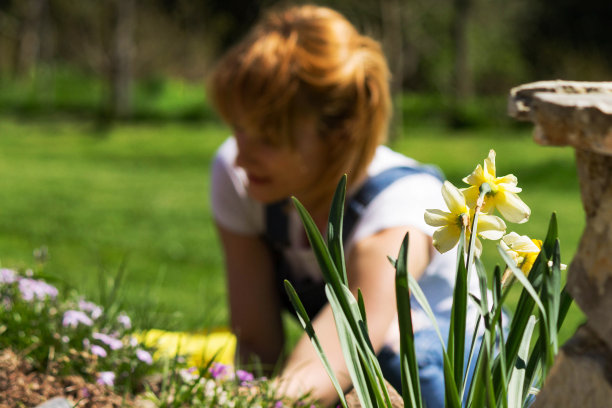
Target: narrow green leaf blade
[
  {"x": 517, "y": 376},
  {"x": 307, "y": 326},
  {"x": 335, "y": 226},
  {"x": 411, "y": 388}
]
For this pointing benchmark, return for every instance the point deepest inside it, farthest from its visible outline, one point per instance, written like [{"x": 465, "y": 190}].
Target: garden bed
[{"x": 21, "y": 385}]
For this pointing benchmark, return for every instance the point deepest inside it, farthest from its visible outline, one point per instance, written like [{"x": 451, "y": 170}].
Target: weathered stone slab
[
  {"x": 566, "y": 113},
  {"x": 579, "y": 114},
  {"x": 581, "y": 375}
]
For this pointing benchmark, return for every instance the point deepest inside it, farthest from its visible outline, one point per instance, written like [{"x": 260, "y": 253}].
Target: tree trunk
[
  {"x": 392, "y": 41},
  {"x": 28, "y": 49},
  {"x": 122, "y": 56},
  {"x": 462, "y": 75}
]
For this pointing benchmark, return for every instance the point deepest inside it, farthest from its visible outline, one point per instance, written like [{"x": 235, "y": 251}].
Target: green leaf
[
  {"x": 307, "y": 326},
  {"x": 335, "y": 226},
  {"x": 362, "y": 310},
  {"x": 349, "y": 347},
  {"x": 518, "y": 274},
  {"x": 498, "y": 302},
  {"x": 327, "y": 266},
  {"x": 517, "y": 376},
  {"x": 452, "y": 394},
  {"x": 411, "y": 388},
  {"x": 552, "y": 234},
  {"x": 457, "y": 330}
]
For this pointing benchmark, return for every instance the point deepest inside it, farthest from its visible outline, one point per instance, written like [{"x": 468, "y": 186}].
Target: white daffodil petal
[
  {"x": 445, "y": 238},
  {"x": 508, "y": 179},
  {"x": 478, "y": 249},
  {"x": 524, "y": 245},
  {"x": 491, "y": 226},
  {"x": 453, "y": 198},
  {"x": 437, "y": 218},
  {"x": 510, "y": 238},
  {"x": 512, "y": 208},
  {"x": 471, "y": 195},
  {"x": 512, "y": 254},
  {"x": 489, "y": 164},
  {"x": 476, "y": 177}
]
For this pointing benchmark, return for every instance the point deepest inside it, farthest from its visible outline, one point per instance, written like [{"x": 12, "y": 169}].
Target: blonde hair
[{"x": 308, "y": 59}]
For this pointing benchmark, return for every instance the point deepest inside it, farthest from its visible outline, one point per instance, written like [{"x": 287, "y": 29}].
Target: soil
[{"x": 22, "y": 386}]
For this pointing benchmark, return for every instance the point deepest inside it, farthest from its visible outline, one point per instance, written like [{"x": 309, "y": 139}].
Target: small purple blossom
[
  {"x": 244, "y": 377},
  {"x": 124, "y": 320},
  {"x": 7, "y": 275},
  {"x": 218, "y": 371},
  {"x": 32, "y": 288},
  {"x": 144, "y": 356},
  {"x": 110, "y": 341},
  {"x": 98, "y": 350},
  {"x": 189, "y": 374},
  {"x": 92, "y": 308},
  {"x": 72, "y": 318},
  {"x": 279, "y": 404},
  {"x": 106, "y": 378}
]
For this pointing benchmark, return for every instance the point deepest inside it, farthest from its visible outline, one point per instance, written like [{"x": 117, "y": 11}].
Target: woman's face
[{"x": 278, "y": 172}]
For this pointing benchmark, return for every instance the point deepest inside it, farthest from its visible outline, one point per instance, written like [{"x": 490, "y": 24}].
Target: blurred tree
[
  {"x": 122, "y": 55},
  {"x": 568, "y": 39},
  {"x": 462, "y": 75},
  {"x": 32, "y": 15}
]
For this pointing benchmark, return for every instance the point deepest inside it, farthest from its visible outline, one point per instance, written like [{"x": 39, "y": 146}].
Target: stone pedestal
[{"x": 579, "y": 114}]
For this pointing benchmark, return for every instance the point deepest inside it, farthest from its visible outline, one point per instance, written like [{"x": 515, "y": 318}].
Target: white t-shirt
[{"x": 402, "y": 203}]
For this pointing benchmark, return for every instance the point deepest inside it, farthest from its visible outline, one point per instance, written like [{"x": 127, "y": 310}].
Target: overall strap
[
  {"x": 277, "y": 222},
  {"x": 312, "y": 292},
  {"x": 357, "y": 204}
]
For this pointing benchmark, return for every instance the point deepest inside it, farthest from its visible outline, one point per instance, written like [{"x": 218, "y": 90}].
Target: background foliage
[
  {"x": 452, "y": 48},
  {"x": 100, "y": 196}
]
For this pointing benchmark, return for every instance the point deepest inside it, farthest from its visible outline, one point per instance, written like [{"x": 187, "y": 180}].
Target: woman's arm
[
  {"x": 369, "y": 270},
  {"x": 254, "y": 307}
]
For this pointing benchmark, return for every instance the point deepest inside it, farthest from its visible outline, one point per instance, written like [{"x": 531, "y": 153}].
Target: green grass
[{"x": 138, "y": 193}]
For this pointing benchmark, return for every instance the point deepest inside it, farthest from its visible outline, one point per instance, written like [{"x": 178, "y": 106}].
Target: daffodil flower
[
  {"x": 454, "y": 222},
  {"x": 503, "y": 194},
  {"x": 523, "y": 251}
]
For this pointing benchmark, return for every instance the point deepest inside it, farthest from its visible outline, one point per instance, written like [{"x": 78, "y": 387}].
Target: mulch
[{"x": 22, "y": 386}]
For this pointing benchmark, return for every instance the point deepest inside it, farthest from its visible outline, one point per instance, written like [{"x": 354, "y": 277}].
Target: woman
[{"x": 307, "y": 97}]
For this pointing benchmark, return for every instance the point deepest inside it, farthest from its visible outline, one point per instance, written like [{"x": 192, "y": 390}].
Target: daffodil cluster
[{"x": 485, "y": 194}]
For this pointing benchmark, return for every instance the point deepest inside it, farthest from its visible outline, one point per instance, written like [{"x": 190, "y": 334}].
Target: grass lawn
[{"x": 134, "y": 198}]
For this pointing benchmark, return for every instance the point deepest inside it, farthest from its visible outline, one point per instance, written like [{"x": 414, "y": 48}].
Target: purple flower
[
  {"x": 124, "y": 320},
  {"x": 32, "y": 288},
  {"x": 279, "y": 404},
  {"x": 218, "y": 371},
  {"x": 189, "y": 374},
  {"x": 98, "y": 350},
  {"x": 7, "y": 275},
  {"x": 72, "y": 318},
  {"x": 106, "y": 378},
  {"x": 95, "y": 310},
  {"x": 244, "y": 377},
  {"x": 144, "y": 356},
  {"x": 110, "y": 341}
]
